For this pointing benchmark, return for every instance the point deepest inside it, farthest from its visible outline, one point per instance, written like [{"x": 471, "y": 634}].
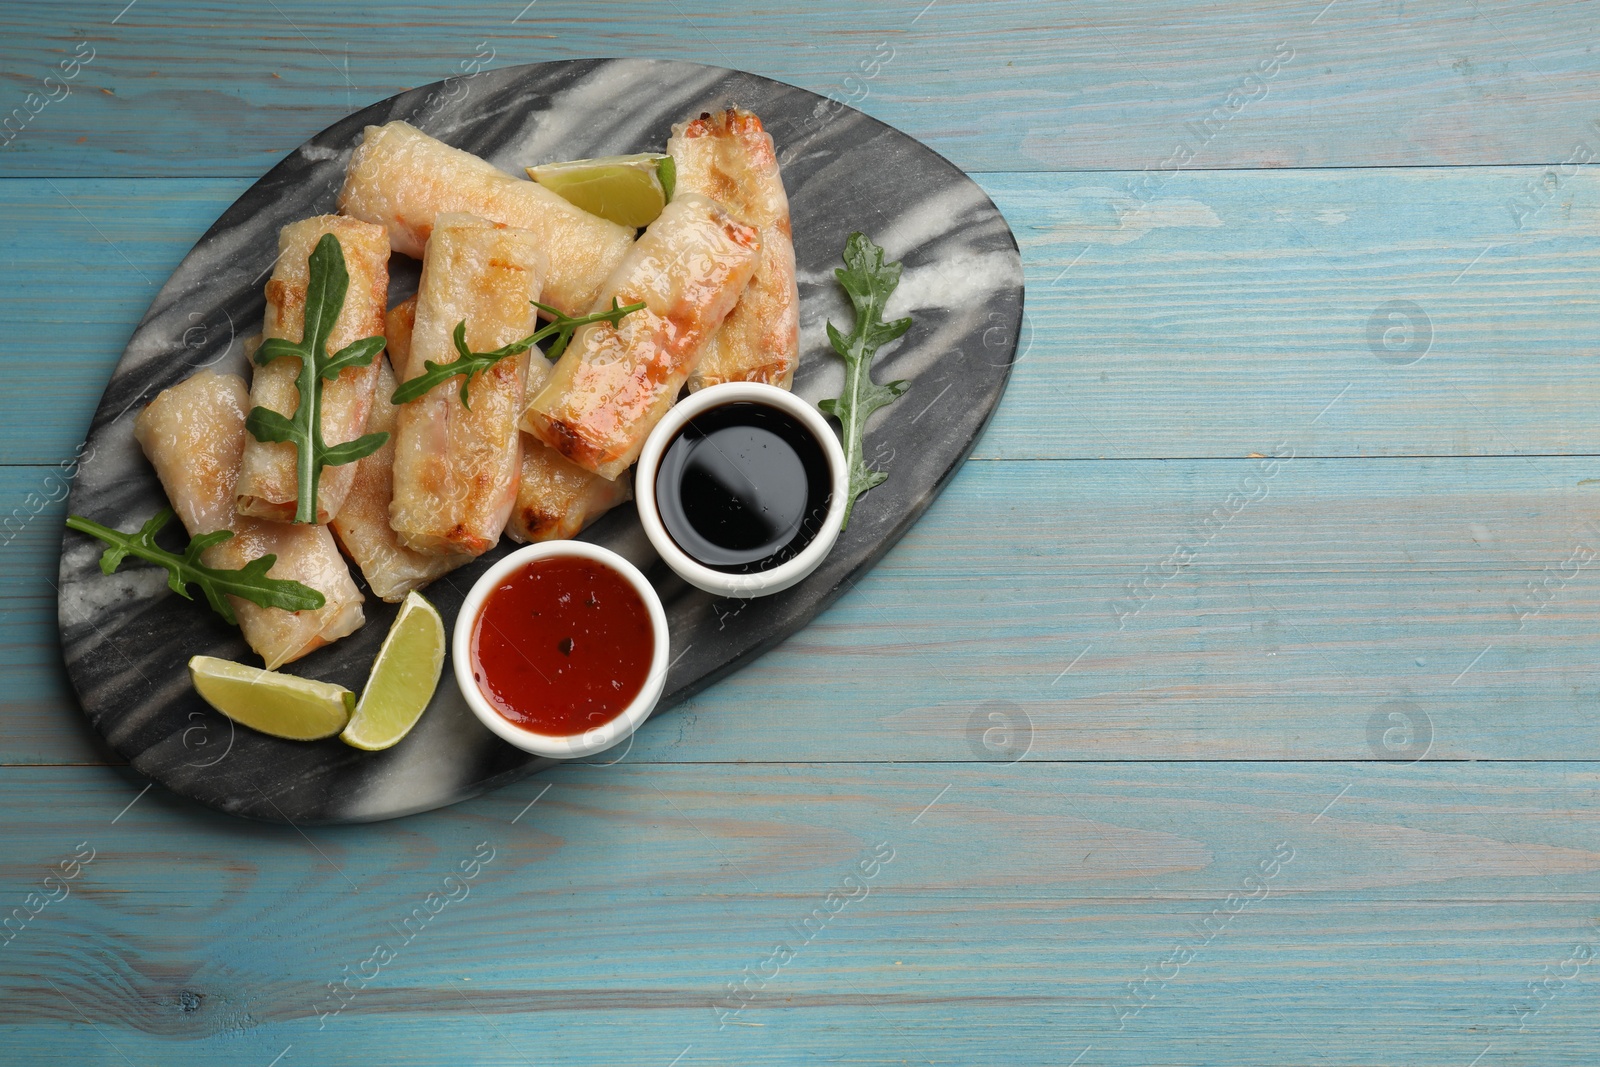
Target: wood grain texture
[
  {"x": 87, "y": 260},
  {"x": 1334, "y": 593},
  {"x": 187, "y": 87},
  {"x": 1199, "y": 319},
  {"x": 1018, "y": 904},
  {"x": 1226, "y": 314},
  {"x": 1229, "y": 311}
]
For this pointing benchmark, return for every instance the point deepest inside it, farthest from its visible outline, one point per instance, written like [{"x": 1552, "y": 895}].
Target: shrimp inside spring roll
[
  {"x": 268, "y": 482},
  {"x": 403, "y": 180},
  {"x": 194, "y": 436},
  {"x": 615, "y": 382},
  {"x": 729, "y": 157},
  {"x": 456, "y": 465}
]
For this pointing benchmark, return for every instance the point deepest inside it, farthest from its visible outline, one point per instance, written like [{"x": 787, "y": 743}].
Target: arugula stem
[
  {"x": 310, "y": 385},
  {"x": 869, "y": 282},
  {"x": 469, "y": 364},
  {"x": 563, "y": 325},
  {"x": 116, "y": 537},
  {"x": 326, "y": 287},
  {"x": 249, "y": 582}
]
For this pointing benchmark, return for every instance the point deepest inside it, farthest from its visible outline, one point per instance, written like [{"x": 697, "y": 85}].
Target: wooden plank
[
  {"x": 186, "y": 87},
  {"x": 1270, "y": 611},
  {"x": 1239, "y": 319},
  {"x": 87, "y": 258},
  {"x": 43, "y": 723},
  {"x": 1279, "y": 616},
  {"x": 1401, "y": 925},
  {"x": 1368, "y": 606},
  {"x": 1233, "y": 311}
]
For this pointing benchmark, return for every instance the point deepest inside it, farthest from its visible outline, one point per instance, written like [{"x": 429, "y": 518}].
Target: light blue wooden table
[{"x": 1276, "y": 576}]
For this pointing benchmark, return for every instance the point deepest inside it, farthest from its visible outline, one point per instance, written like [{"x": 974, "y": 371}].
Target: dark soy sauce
[{"x": 743, "y": 487}]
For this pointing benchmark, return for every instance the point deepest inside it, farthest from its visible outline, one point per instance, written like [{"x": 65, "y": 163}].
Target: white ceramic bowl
[
  {"x": 687, "y": 567},
  {"x": 590, "y": 741}
]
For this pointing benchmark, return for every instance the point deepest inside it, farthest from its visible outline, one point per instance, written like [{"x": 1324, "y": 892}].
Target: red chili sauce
[{"x": 562, "y": 645}]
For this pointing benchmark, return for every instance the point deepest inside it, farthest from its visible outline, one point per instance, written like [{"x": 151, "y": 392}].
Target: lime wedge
[
  {"x": 625, "y": 189},
  {"x": 282, "y": 705},
  {"x": 403, "y": 678}
]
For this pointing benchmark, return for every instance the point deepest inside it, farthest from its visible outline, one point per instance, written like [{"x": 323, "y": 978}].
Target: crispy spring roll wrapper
[
  {"x": 403, "y": 180},
  {"x": 455, "y": 468},
  {"x": 268, "y": 482},
  {"x": 362, "y": 526},
  {"x": 194, "y": 436},
  {"x": 397, "y": 325},
  {"x": 614, "y": 383},
  {"x": 730, "y": 158},
  {"x": 556, "y": 498}
]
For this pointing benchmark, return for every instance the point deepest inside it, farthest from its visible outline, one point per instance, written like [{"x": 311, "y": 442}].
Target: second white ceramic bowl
[
  {"x": 687, "y": 567},
  {"x": 607, "y": 733}
]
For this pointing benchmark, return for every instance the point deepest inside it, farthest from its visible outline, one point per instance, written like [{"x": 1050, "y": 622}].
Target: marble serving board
[{"x": 126, "y": 640}]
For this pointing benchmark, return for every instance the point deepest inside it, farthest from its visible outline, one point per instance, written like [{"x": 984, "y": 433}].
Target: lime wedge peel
[
  {"x": 628, "y": 190},
  {"x": 403, "y": 678},
  {"x": 300, "y": 709},
  {"x": 398, "y": 691}
]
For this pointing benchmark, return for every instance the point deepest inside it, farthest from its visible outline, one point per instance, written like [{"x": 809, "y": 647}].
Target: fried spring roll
[
  {"x": 556, "y": 498},
  {"x": 268, "y": 483},
  {"x": 613, "y": 383},
  {"x": 194, "y": 436},
  {"x": 362, "y": 525},
  {"x": 456, "y": 468},
  {"x": 730, "y": 158},
  {"x": 402, "y": 179}
]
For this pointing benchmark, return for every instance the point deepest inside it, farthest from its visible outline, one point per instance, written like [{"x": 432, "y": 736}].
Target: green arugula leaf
[
  {"x": 325, "y": 293},
  {"x": 470, "y": 364},
  {"x": 249, "y": 582},
  {"x": 868, "y": 281}
]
